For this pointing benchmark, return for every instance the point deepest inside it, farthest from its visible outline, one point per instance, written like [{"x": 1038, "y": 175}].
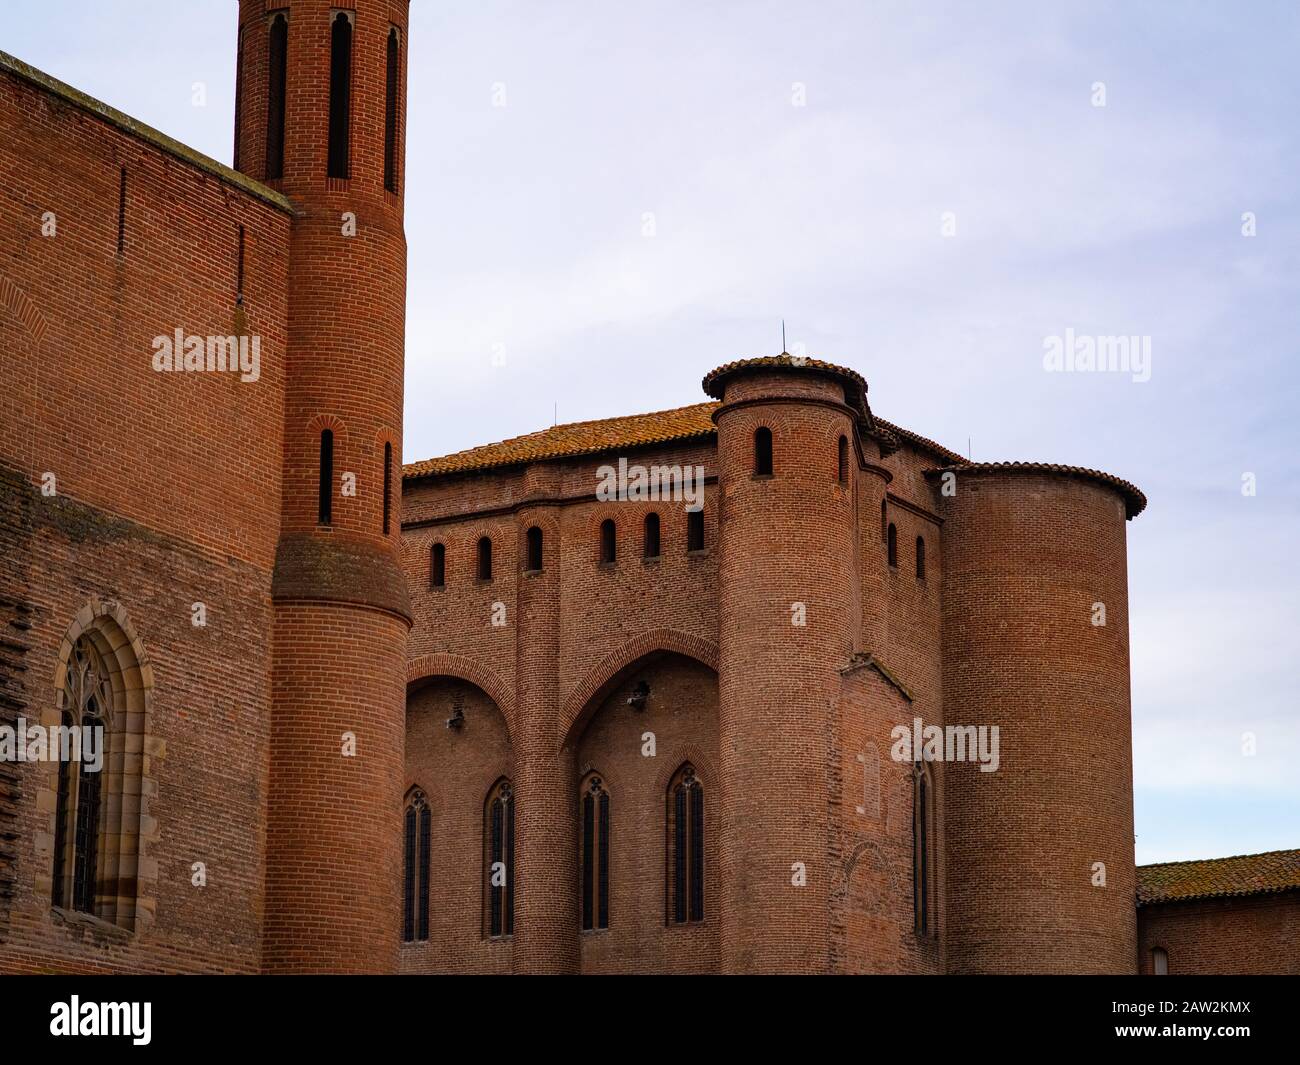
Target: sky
[{"x": 606, "y": 200}]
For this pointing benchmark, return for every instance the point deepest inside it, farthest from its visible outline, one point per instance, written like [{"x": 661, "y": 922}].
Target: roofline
[
  {"x": 13, "y": 65},
  {"x": 1224, "y": 858},
  {"x": 1222, "y": 893},
  {"x": 410, "y": 472},
  {"x": 1219, "y": 893},
  {"x": 1135, "y": 501}
]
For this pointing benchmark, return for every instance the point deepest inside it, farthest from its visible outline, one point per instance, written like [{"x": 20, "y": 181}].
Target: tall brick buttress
[
  {"x": 786, "y": 567},
  {"x": 341, "y": 613}
]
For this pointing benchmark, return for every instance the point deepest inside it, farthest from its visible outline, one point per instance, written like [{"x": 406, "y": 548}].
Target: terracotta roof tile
[
  {"x": 575, "y": 439},
  {"x": 1135, "y": 501},
  {"x": 695, "y": 422},
  {"x": 714, "y": 380},
  {"x": 1243, "y": 874}
]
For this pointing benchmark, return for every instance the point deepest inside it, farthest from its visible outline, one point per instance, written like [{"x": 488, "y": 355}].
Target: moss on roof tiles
[{"x": 1241, "y": 874}]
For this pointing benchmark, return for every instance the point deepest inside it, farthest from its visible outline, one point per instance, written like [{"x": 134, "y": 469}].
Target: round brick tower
[
  {"x": 1032, "y": 557},
  {"x": 786, "y": 616},
  {"x": 320, "y": 115}
]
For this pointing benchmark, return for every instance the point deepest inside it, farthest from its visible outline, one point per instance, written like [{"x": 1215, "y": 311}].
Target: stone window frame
[{"x": 128, "y": 826}]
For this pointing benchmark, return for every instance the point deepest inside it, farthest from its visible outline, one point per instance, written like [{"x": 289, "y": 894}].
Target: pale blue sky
[{"x": 525, "y": 226}]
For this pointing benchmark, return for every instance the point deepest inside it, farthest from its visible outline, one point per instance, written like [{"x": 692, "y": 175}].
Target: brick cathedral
[{"x": 477, "y": 714}]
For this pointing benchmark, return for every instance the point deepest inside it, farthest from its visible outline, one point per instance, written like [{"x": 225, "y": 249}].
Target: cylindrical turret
[
  {"x": 320, "y": 116},
  {"x": 786, "y": 615},
  {"x": 1035, "y": 611}
]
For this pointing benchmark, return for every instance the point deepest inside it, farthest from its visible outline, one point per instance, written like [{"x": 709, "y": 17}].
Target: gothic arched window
[
  {"x": 595, "y": 853},
  {"x": 499, "y": 860},
  {"x": 415, "y": 861},
  {"x": 79, "y": 817},
  {"x": 685, "y": 847},
  {"x": 923, "y": 892}
]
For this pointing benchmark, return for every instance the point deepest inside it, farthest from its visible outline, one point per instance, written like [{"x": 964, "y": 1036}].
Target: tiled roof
[
  {"x": 714, "y": 380},
  {"x": 1135, "y": 501},
  {"x": 610, "y": 434},
  {"x": 577, "y": 438},
  {"x": 693, "y": 423},
  {"x": 1243, "y": 874}
]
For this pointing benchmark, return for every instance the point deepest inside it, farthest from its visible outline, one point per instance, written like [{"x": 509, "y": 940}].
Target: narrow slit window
[
  {"x": 340, "y": 93},
  {"x": 325, "y": 510},
  {"x": 438, "y": 566},
  {"x": 843, "y": 461},
  {"x": 763, "y": 451},
  {"x": 391, "y": 98},
  {"x": 277, "y": 79},
  {"x": 920, "y": 557},
  {"x": 651, "y": 542},
  {"x": 892, "y": 544},
  {"x": 485, "y": 559},
  {"x": 533, "y": 550},
  {"x": 608, "y": 541},
  {"x": 388, "y": 487},
  {"x": 695, "y": 530}
]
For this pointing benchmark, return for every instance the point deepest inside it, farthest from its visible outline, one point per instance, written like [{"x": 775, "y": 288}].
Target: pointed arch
[
  {"x": 466, "y": 669},
  {"x": 604, "y": 675},
  {"x": 96, "y": 841}
]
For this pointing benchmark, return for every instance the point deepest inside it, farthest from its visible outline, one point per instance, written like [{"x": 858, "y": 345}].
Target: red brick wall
[
  {"x": 1025, "y": 557},
  {"x": 191, "y": 455},
  {"x": 682, "y": 714},
  {"x": 168, "y": 494},
  {"x": 1256, "y": 934},
  {"x": 456, "y": 769},
  {"x": 570, "y": 630}
]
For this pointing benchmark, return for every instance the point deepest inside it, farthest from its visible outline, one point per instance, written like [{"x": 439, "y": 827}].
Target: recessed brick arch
[
  {"x": 466, "y": 669},
  {"x": 606, "y": 673}
]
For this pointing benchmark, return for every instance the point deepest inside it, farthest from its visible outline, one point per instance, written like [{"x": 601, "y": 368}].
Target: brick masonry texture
[
  {"x": 1255, "y": 934},
  {"x": 276, "y": 743}
]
